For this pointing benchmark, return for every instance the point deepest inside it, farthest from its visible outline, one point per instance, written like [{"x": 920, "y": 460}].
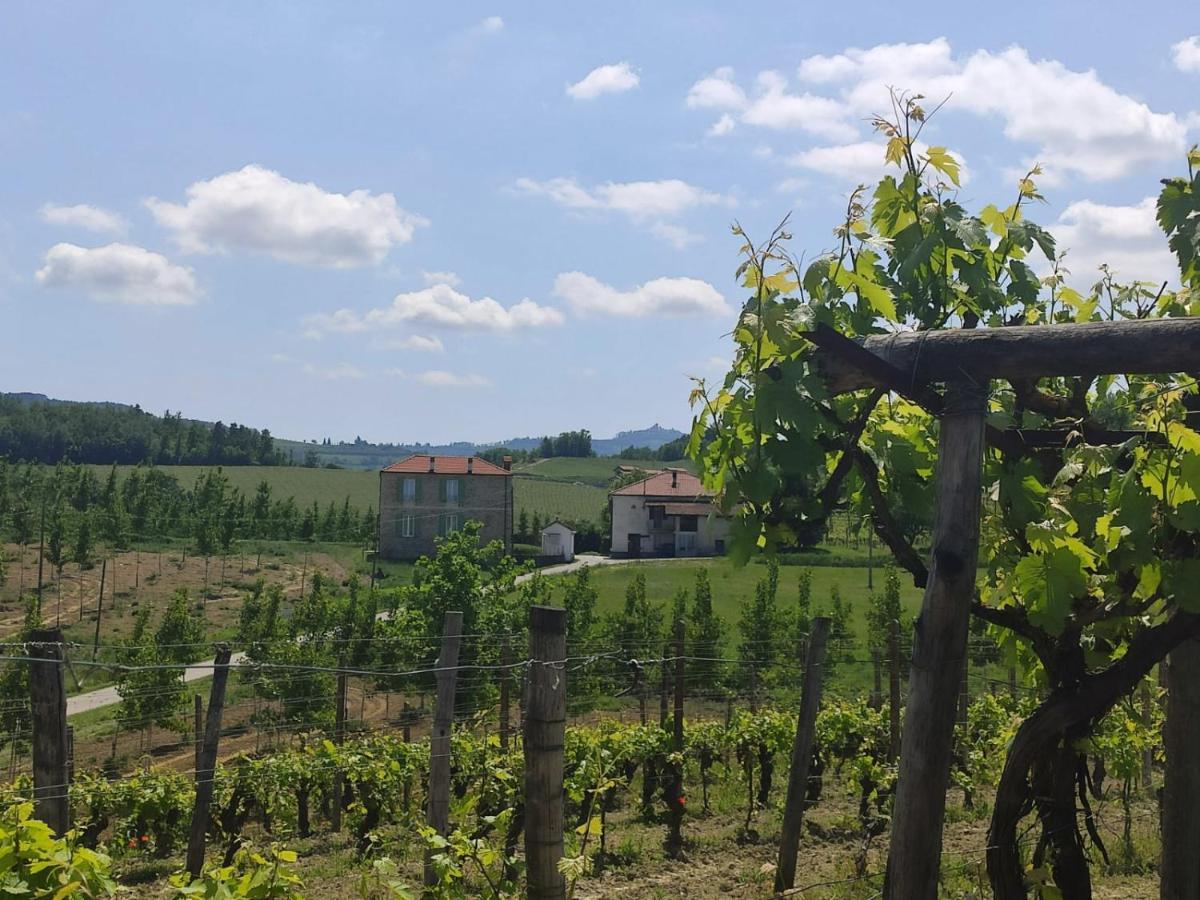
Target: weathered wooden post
[
  {"x": 545, "y": 730},
  {"x": 207, "y": 768},
  {"x": 806, "y": 726},
  {"x": 674, "y": 792},
  {"x": 939, "y": 649},
  {"x": 339, "y": 737},
  {"x": 48, "y": 706},
  {"x": 198, "y": 718},
  {"x": 438, "y": 812},
  {"x": 1180, "y": 867}
]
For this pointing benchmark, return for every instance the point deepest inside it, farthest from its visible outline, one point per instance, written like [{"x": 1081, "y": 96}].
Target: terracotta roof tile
[
  {"x": 668, "y": 483},
  {"x": 418, "y": 464}
]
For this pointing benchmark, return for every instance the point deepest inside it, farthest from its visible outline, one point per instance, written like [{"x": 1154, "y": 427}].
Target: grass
[
  {"x": 558, "y": 500},
  {"x": 593, "y": 470}
]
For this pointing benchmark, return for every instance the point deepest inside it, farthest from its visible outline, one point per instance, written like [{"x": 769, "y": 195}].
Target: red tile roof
[
  {"x": 418, "y": 464},
  {"x": 660, "y": 485}
]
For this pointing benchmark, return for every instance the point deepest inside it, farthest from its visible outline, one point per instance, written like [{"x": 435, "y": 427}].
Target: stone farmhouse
[
  {"x": 669, "y": 513},
  {"x": 424, "y": 497}
]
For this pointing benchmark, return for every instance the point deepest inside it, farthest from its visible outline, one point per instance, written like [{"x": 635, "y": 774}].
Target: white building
[
  {"x": 669, "y": 513},
  {"x": 558, "y": 541}
]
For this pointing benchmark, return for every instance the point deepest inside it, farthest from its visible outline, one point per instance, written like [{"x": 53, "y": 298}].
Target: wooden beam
[{"x": 1133, "y": 347}]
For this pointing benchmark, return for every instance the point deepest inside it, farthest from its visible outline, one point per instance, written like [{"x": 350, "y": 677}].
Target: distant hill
[{"x": 103, "y": 432}]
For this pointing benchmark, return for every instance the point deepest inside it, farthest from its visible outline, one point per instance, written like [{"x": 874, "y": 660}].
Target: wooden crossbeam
[{"x": 1132, "y": 347}]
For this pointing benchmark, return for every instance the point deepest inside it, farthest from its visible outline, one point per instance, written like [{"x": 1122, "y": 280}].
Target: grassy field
[
  {"x": 558, "y": 499},
  {"x": 594, "y": 470}
]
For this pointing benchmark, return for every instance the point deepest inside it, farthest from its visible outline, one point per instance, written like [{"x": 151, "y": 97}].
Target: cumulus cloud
[
  {"x": 441, "y": 379},
  {"x": 421, "y": 343},
  {"x": 335, "y": 372},
  {"x": 120, "y": 273},
  {"x": 717, "y": 91},
  {"x": 257, "y": 210},
  {"x": 1187, "y": 54},
  {"x": 722, "y": 126},
  {"x": 611, "y": 79},
  {"x": 440, "y": 306},
  {"x": 1126, "y": 238},
  {"x": 82, "y": 215},
  {"x": 636, "y": 199},
  {"x": 491, "y": 25},
  {"x": 659, "y": 297},
  {"x": 1077, "y": 123},
  {"x": 449, "y": 278}
]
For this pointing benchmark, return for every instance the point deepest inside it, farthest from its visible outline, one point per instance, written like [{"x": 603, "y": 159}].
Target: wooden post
[
  {"x": 207, "y": 766},
  {"x": 1180, "y": 865},
  {"x": 893, "y": 690},
  {"x": 48, "y": 706},
  {"x": 663, "y": 688},
  {"x": 438, "y": 812},
  {"x": 806, "y": 726},
  {"x": 198, "y": 737},
  {"x": 674, "y": 792},
  {"x": 939, "y": 649},
  {"x": 339, "y": 737},
  {"x": 545, "y": 730},
  {"x": 505, "y": 681},
  {"x": 99, "y": 608},
  {"x": 70, "y": 754}
]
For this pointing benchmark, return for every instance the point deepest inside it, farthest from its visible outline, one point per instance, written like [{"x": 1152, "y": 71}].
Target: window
[
  {"x": 451, "y": 490},
  {"x": 407, "y": 526},
  {"x": 687, "y": 523},
  {"x": 447, "y": 523},
  {"x": 408, "y": 490}
]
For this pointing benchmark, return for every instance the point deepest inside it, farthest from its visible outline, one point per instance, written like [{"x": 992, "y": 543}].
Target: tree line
[{"x": 104, "y": 433}]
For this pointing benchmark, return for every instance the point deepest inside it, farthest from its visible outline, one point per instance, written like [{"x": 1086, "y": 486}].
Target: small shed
[{"x": 558, "y": 541}]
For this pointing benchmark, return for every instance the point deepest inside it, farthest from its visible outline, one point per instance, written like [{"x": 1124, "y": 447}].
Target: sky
[{"x": 434, "y": 222}]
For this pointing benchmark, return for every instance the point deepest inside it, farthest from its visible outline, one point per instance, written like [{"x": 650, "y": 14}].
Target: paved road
[{"x": 97, "y": 699}]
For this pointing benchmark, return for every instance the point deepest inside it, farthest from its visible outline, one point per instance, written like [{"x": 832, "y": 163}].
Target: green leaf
[
  {"x": 940, "y": 159},
  {"x": 1050, "y": 582}
]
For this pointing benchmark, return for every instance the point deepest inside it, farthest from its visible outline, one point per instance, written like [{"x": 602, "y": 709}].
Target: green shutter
[
  {"x": 462, "y": 491},
  {"x": 417, "y": 493},
  {"x": 441, "y": 490}
]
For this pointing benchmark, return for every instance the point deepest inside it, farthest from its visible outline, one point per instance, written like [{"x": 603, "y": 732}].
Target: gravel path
[{"x": 97, "y": 699}]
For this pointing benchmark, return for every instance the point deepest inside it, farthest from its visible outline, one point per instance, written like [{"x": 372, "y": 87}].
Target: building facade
[
  {"x": 669, "y": 513},
  {"x": 424, "y": 497},
  {"x": 558, "y": 542}
]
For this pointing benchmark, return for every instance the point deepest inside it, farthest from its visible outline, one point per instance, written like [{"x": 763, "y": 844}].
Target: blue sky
[{"x": 479, "y": 221}]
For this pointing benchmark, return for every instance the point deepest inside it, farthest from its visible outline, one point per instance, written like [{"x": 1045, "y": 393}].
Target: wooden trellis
[{"x": 965, "y": 361}]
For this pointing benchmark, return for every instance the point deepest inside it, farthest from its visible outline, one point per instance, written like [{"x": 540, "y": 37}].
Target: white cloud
[
  {"x": 661, "y": 296},
  {"x": 717, "y": 91},
  {"x": 636, "y": 199},
  {"x": 1078, "y": 123},
  {"x": 439, "y": 378},
  {"x": 491, "y": 25},
  {"x": 336, "y": 372},
  {"x": 449, "y": 278},
  {"x": 421, "y": 343},
  {"x": 82, "y": 215},
  {"x": 722, "y": 126},
  {"x": 440, "y": 306},
  {"x": 611, "y": 79},
  {"x": 1187, "y": 54},
  {"x": 675, "y": 235},
  {"x": 1126, "y": 238},
  {"x": 120, "y": 273},
  {"x": 859, "y": 163},
  {"x": 775, "y": 107},
  {"x": 260, "y": 211}
]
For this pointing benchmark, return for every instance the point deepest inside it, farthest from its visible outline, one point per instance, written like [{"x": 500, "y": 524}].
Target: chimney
[
  {"x": 507, "y": 463},
  {"x": 432, "y": 460},
  {"x": 470, "y": 464},
  {"x": 674, "y": 478}
]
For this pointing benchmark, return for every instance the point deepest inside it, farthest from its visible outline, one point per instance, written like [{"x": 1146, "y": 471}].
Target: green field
[
  {"x": 548, "y": 498},
  {"x": 593, "y": 470}
]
